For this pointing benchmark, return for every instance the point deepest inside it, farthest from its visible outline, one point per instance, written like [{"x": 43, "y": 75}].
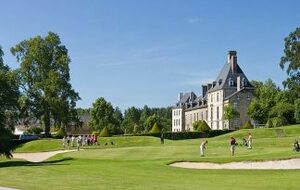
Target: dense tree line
[{"x": 133, "y": 121}]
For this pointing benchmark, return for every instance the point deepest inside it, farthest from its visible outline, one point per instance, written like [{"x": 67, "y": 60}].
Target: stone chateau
[{"x": 230, "y": 87}]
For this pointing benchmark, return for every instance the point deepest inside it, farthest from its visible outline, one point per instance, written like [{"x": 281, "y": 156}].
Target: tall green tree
[
  {"x": 151, "y": 120},
  {"x": 118, "y": 119},
  {"x": 230, "y": 113},
  {"x": 9, "y": 95},
  {"x": 145, "y": 113},
  {"x": 266, "y": 97},
  {"x": 102, "y": 114},
  {"x": 291, "y": 61},
  {"x": 297, "y": 110},
  {"x": 131, "y": 118},
  {"x": 45, "y": 77}
]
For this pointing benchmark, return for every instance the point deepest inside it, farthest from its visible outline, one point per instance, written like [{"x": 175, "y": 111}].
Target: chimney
[
  {"x": 204, "y": 90},
  {"x": 238, "y": 83},
  {"x": 179, "y": 96},
  {"x": 232, "y": 59}
]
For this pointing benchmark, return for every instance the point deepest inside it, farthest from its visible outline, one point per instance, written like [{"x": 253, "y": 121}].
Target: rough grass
[{"x": 141, "y": 163}]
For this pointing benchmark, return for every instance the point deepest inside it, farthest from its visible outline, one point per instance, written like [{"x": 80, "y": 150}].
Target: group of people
[
  {"x": 232, "y": 144},
  {"x": 84, "y": 140}
]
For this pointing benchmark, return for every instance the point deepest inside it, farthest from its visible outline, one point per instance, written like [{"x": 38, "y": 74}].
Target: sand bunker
[
  {"x": 38, "y": 156},
  {"x": 264, "y": 165}
]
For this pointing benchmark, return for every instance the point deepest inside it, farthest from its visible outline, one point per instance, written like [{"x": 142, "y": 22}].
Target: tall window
[
  {"x": 217, "y": 97},
  {"x": 211, "y": 98},
  {"x": 211, "y": 114},
  {"x": 217, "y": 113}
]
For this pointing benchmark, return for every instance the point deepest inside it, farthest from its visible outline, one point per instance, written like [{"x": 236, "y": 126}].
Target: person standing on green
[
  {"x": 203, "y": 147},
  {"x": 249, "y": 141},
  {"x": 232, "y": 145},
  {"x": 162, "y": 138}
]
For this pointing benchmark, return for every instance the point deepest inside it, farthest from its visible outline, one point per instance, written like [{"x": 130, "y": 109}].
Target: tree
[
  {"x": 230, "y": 113},
  {"x": 285, "y": 111},
  {"x": 291, "y": 60},
  {"x": 297, "y": 110},
  {"x": 151, "y": 120},
  {"x": 118, "y": 119},
  {"x": 266, "y": 97},
  {"x": 9, "y": 95},
  {"x": 145, "y": 113},
  {"x": 101, "y": 114},
  {"x": 45, "y": 80},
  {"x": 131, "y": 117}
]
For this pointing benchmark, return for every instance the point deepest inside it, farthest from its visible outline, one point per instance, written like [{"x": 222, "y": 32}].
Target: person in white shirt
[
  {"x": 249, "y": 141},
  {"x": 203, "y": 147}
]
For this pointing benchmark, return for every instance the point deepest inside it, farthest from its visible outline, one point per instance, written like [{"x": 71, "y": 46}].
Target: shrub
[
  {"x": 104, "y": 132},
  {"x": 155, "y": 129},
  {"x": 201, "y": 126},
  {"x": 35, "y": 130},
  {"x": 97, "y": 133},
  {"x": 279, "y": 121},
  {"x": 187, "y": 134},
  {"x": 247, "y": 125},
  {"x": 61, "y": 132},
  {"x": 269, "y": 123}
]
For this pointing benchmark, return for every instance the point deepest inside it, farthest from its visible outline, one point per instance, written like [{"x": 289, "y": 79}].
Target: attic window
[
  {"x": 220, "y": 81},
  {"x": 230, "y": 82}
]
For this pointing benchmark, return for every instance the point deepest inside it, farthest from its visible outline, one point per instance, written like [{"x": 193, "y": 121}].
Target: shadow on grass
[{"x": 26, "y": 163}]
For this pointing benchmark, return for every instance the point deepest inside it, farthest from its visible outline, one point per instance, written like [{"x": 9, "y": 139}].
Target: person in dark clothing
[
  {"x": 162, "y": 138},
  {"x": 232, "y": 145},
  {"x": 296, "y": 146}
]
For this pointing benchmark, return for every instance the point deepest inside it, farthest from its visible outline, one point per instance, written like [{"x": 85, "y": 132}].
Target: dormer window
[
  {"x": 220, "y": 81},
  {"x": 244, "y": 82},
  {"x": 231, "y": 82}
]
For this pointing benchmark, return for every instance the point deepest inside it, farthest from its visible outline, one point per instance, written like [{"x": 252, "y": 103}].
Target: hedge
[{"x": 187, "y": 135}]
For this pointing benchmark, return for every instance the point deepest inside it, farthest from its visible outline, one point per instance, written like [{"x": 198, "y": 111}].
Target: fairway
[{"x": 142, "y": 163}]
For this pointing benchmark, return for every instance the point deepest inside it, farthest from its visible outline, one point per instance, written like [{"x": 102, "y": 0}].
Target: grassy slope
[{"x": 140, "y": 163}]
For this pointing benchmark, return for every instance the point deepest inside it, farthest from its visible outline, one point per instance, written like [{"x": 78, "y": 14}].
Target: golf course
[{"x": 138, "y": 162}]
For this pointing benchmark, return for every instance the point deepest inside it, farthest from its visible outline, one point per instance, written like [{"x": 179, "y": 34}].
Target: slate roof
[
  {"x": 186, "y": 98},
  {"x": 226, "y": 73}
]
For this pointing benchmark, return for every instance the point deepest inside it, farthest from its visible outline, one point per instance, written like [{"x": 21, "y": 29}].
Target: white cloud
[{"x": 193, "y": 20}]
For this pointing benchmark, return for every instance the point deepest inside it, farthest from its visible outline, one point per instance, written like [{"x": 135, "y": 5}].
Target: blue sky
[{"x": 137, "y": 52}]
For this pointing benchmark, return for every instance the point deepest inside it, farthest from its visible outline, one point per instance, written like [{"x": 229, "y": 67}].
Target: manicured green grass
[{"x": 141, "y": 163}]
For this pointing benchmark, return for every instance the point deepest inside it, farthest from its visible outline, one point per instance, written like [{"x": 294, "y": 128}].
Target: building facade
[{"x": 230, "y": 87}]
